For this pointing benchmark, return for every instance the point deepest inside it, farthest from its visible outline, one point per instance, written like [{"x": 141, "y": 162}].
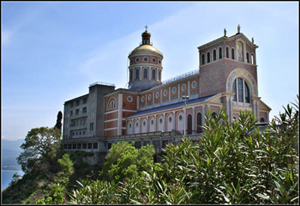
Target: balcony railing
[{"x": 181, "y": 76}]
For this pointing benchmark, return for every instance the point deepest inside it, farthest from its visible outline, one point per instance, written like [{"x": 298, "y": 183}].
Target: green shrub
[{"x": 232, "y": 163}]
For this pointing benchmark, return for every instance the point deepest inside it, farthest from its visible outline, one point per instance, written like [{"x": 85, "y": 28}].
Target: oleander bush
[{"x": 232, "y": 163}]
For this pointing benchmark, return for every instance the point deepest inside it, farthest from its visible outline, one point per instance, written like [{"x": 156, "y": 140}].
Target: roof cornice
[{"x": 226, "y": 39}]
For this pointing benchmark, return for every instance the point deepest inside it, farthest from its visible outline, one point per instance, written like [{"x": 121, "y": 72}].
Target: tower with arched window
[{"x": 232, "y": 75}]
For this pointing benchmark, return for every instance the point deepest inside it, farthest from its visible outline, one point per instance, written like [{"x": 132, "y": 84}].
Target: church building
[{"x": 152, "y": 111}]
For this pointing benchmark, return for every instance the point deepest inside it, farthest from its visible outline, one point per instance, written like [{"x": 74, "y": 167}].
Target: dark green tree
[
  {"x": 40, "y": 149},
  {"x": 58, "y": 124}
]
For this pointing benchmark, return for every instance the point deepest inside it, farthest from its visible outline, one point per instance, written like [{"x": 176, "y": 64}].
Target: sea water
[{"x": 7, "y": 177}]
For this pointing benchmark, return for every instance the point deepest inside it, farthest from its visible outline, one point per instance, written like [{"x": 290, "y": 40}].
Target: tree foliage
[
  {"x": 40, "y": 148},
  {"x": 124, "y": 160},
  {"x": 232, "y": 163}
]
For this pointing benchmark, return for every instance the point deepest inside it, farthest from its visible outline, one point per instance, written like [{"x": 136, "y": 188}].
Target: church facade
[{"x": 152, "y": 111}]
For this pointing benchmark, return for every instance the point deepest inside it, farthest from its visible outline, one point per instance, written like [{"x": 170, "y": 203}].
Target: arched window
[
  {"x": 146, "y": 73},
  {"x": 241, "y": 90},
  {"x": 247, "y": 93},
  {"x": 262, "y": 119},
  {"x": 248, "y": 57},
  {"x": 208, "y": 57},
  {"x": 214, "y": 55},
  {"x": 214, "y": 115},
  {"x": 252, "y": 59},
  {"x": 227, "y": 52},
  {"x": 137, "y": 74},
  {"x": 189, "y": 124},
  {"x": 153, "y": 74},
  {"x": 203, "y": 59},
  {"x": 130, "y": 75},
  {"x": 112, "y": 105},
  {"x": 240, "y": 51},
  {"x": 232, "y": 53},
  {"x": 199, "y": 122},
  {"x": 159, "y": 75},
  {"x": 220, "y": 53}
]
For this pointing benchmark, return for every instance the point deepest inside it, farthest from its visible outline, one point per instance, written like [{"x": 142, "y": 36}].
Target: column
[
  {"x": 153, "y": 98},
  {"x": 160, "y": 144},
  {"x": 140, "y": 73},
  {"x": 254, "y": 107},
  {"x": 155, "y": 121},
  {"x": 133, "y": 126},
  {"x": 231, "y": 108},
  {"x": 198, "y": 83},
  {"x": 164, "y": 129},
  {"x": 161, "y": 96},
  {"x": 140, "y": 125},
  {"x": 174, "y": 120},
  {"x": 193, "y": 120},
  {"x": 227, "y": 108},
  {"x": 188, "y": 87},
  {"x": 257, "y": 109},
  {"x": 203, "y": 114},
  {"x": 120, "y": 105},
  {"x": 179, "y": 91}
]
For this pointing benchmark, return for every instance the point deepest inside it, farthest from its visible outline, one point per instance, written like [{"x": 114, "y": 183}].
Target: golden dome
[{"x": 145, "y": 49}]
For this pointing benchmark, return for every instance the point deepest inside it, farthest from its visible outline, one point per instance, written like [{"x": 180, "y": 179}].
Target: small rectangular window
[
  {"x": 77, "y": 111},
  {"x": 89, "y": 145},
  {"x": 77, "y": 103},
  {"x": 95, "y": 145},
  {"x": 84, "y": 146},
  {"x": 84, "y": 110},
  {"x": 109, "y": 145},
  {"x": 92, "y": 126}
]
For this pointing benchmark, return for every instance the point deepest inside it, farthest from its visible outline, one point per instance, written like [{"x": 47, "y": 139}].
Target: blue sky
[{"x": 52, "y": 51}]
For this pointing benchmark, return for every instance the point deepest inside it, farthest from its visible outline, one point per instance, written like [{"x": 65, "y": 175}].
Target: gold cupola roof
[
  {"x": 146, "y": 46},
  {"x": 145, "y": 49}
]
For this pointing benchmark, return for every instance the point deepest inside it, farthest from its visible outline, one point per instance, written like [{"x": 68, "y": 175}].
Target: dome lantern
[{"x": 146, "y": 37}]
